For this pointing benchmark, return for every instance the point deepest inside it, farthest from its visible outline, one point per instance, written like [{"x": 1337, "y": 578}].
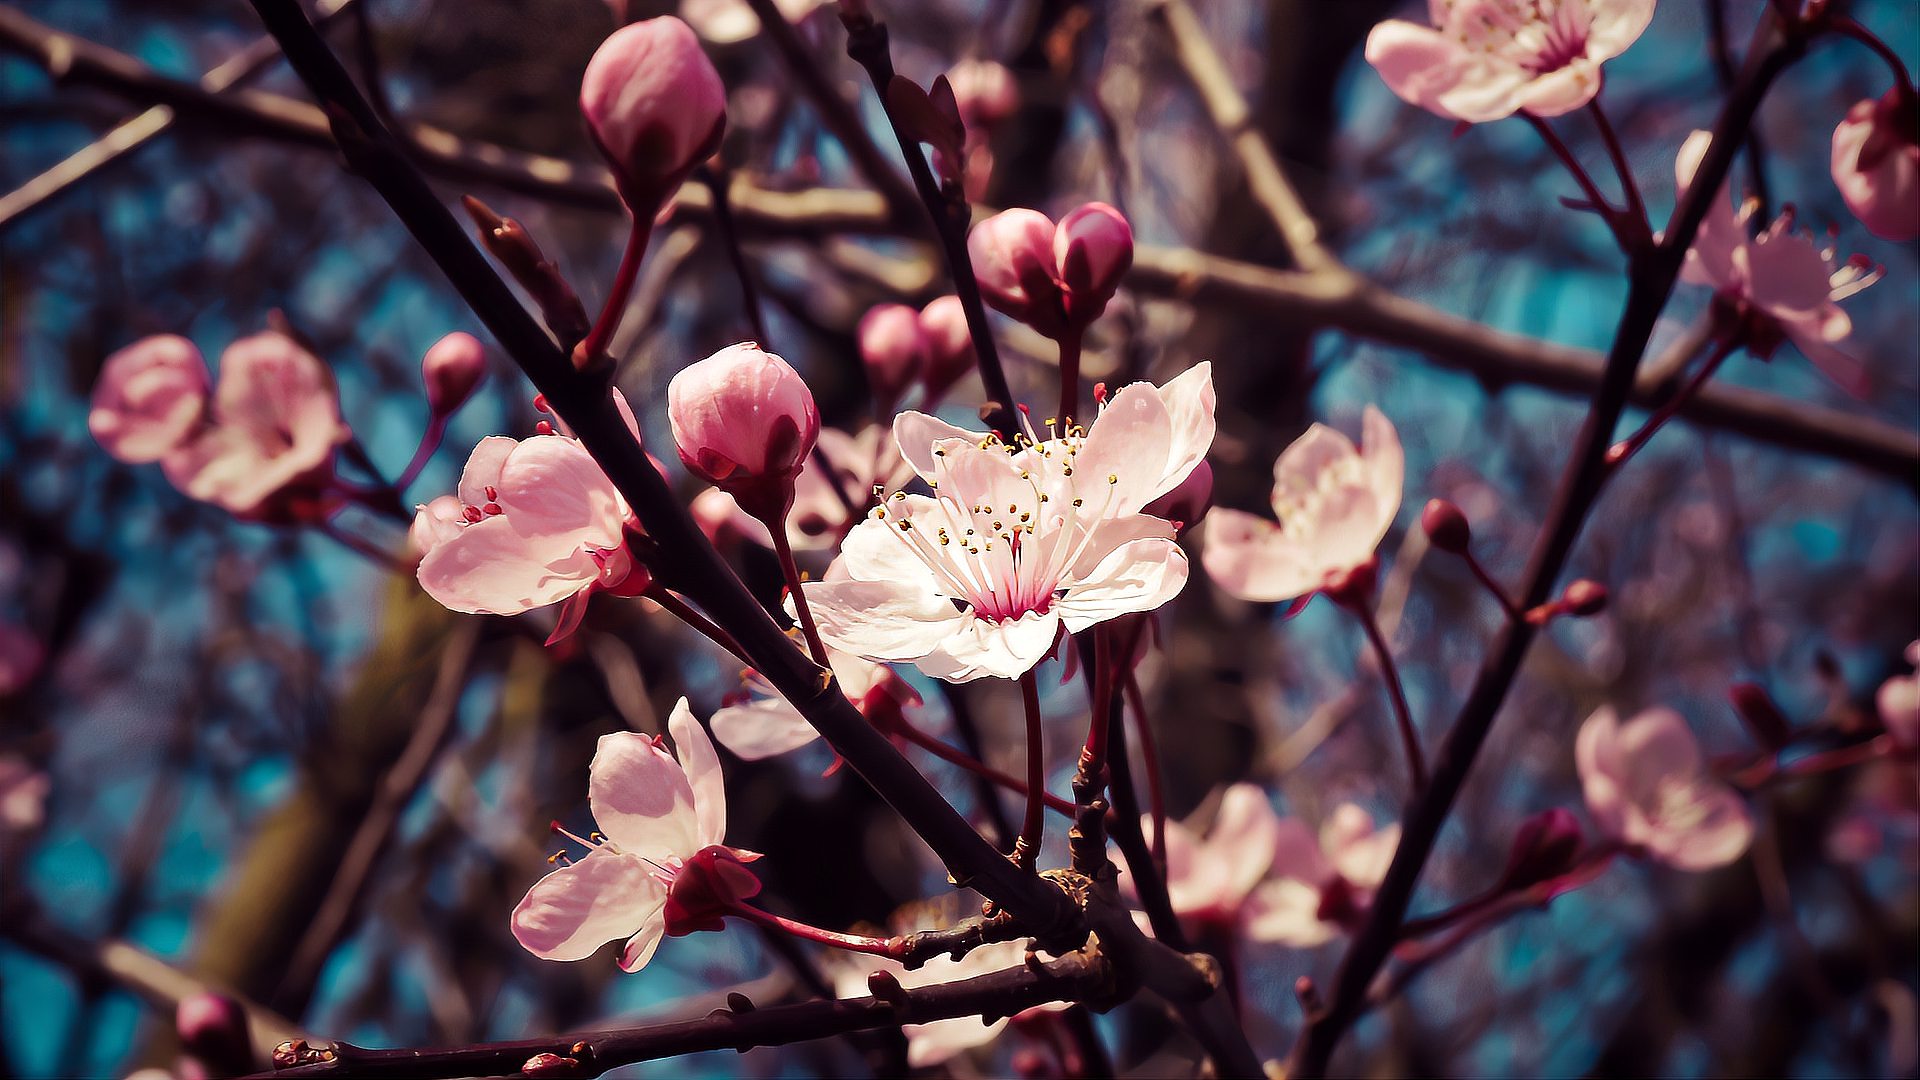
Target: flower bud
[
  {"x": 149, "y": 398},
  {"x": 744, "y": 421},
  {"x": 710, "y": 884},
  {"x": 894, "y": 349},
  {"x": 451, "y": 369},
  {"x": 1012, "y": 256},
  {"x": 656, "y": 108},
  {"x": 213, "y": 1028},
  {"x": 1546, "y": 846},
  {"x": 1092, "y": 251},
  {"x": 943, "y": 325},
  {"x": 1446, "y": 526},
  {"x": 1763, "y": 718},
  {"x": 1876, "y": 164},
  {"x": 984, "y": 91},
  {"x": 1187, "y": 503},
  {"x": 1584, "y": 597}
]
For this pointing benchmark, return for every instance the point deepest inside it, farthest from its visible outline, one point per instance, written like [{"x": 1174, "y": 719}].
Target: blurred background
[{"x": 271, "y": 763}]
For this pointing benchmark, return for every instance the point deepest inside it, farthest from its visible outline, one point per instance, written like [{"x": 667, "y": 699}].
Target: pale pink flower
[
  {"x": 894, "y": 350},
  {"x": 451, "y": 369},
  {"x": 1876, "y": 164},
  {"x": 659, "y": 816},
  {"x": 1317, "y": 888},
  {"x": 656, "y": 108},
  {"x": 932, "y": 1044},
  {"x": 149, "y": 398},
  {"x": 1899, "y": 702},
  {"x": 1334, "y": 503},
  {"x": 23, "y": 795},
  {"x": 745, "y": 421},
  {"x": 1056, "y": 279},
  {"x": 433, "y": 522},
  {"x": 1647, "y": 787},
  {"x": 766, "y": 724},
  {"x": 1210, "y": 878},
  {"x": 725, "y": 22},
  {"x": 275, "y": 426},
  {"x": 1487, "y": 59},
  {"x": 820, "y": 515},
  {"x": 1777, "y": 284},
  {"x": 1018, "y": 541},
  {"x": 21, "y": 655}
]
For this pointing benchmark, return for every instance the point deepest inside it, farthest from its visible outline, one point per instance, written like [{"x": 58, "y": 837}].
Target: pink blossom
[
  {"x": 1210, "y": 878},
  {"x": 451, "y": 369},
  {"x": 1876, "y": 164},
  {"x": 820, "y": 515},
  {"x": 985, "y": 92},
  {"x": 766, "y": 724},
  {"x": 23, "y": 795},
  {"x": 745, "y": 421},
  {"x": 275, "y": 426},
  {"x": 659, "y": 816},
  {"x": 725, "y": 22},
  {"x": 932, "y": 1044},
  {"x": 1334, "y": 502},
  {"x": 436, "y": 521},
  {"x": 1487, "y": 59},
  {"x": 1018, "y": 542},
  {"x": 1315, "y": 889},
  {"x": 149, "y": 398},
  {"x": 656, "y": 108},
  {"x": 1647, "y": 787},
  {"x": 1777, "y": 284},
  {"x": 1056, "y": 279},
  {"x": 894, "y": 350},
  {"x": 949, "y": 345},
  {"x": 1899, "y": 702},
  {"x": 21, "y": 655}
]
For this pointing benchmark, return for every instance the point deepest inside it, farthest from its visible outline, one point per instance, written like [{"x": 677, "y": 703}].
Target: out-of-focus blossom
[
  {"x": 1487, "y": 59},
  {"x": 1210, "y": 878},
  {"x": 275, "y": 427},
  {"x": 451, "y": 369},
  {"x": 150, "y": 397},
  {"x": 1899, "y": 702},
  {"x": 665, "y": 824},
  {"x": 894, "y": 350},
  {"x": 985, "y": 91},
  {"x": 1647, "y": 787},
  {"x": 23, "y": 794},
  {"x": 745, "y": 421},
  {"x": 656, "y": 108},
  {"x": 1056, "y": 279},
  {"x": 820, "y": 514},
  {"x": 1018, "y": 542},
  {"x": 1777, "y": 285},
  {"x": 1333, "y": 501},
  {"x": 21, "y": 655},
  {"x": 1876, "y": 164},
  {"x": 1317, "y": 888},
  {"x": 949, "y": 345},
  {"x": 766, "y": 724},
  {"x": 725, "y": 22},
  {"x": 930, "y": 1045}
]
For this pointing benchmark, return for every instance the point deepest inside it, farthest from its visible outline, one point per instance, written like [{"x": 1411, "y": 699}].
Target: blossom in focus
[
  {"x": 725, "y": 22},
  {"x": 820, "y": 515},
  {"x": 1055, "y": 278},
  {"x": 1876, "y": 164},
  {"x": 1020, "y": 540},
  {"x": 1777, "y": 285},
  {"x": 1483, "y": 60},
  {"x": 1647, "y": 787},
  {"x": 1899, "y": 702},
  {"x": 932, "y": 1044},
  {"x": 21, "y": 655},
  {"x": 1333, "y": 503},
  {"x": 745, "y": 421},
  {"x": 149, "y": 398},
  {"x": 656, "y": 108},
  {"x": 766, "y": 724},
  {"x": 451, "y": 369},
  {"x": 665, "y": 824},
  {"x": 275, "y": 424},
  {"x": 1318, "y": 887},
  {"x": 23, "y": 795}
]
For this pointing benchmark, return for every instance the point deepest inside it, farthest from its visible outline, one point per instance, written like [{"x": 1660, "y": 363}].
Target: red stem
[
  {"x": 1619, "y": 452},
  {"x": 1851, "y": 27},
  {"x": 1493, "y": 586},
  {"x": 973, "y": 765},
  {"x": 686, "y": 614},
  {"x": 1150, "y": 755},
  {"x": 429, "y": 442},
  {"x": 1637, "y": 209},
  {"x": 1070, "y": 346},
  {"x": 783, "y": 548},
  {"x": 1026, "y": 850},
  {"x": 1402, "y": 714},
  {"x": 601, "y": 335},
  {"x": 860, "y": 943},
  {"x": 1601, "y": 206}
]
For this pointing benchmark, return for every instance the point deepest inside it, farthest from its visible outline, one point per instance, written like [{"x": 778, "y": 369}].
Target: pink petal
[
  {"x": 571, "y": 912},
  {"x": 488, "y": 568},
  {"x": 641, "y": 798},
  {"x": 1557, "y": 93},
  {"x": 1243, "y": 840},
  {"x": 1004, "y": 650},
  {"x": 919, "y": 435},
  {"x": 880, "y": 620},
  {"x": 1614, "y": 25},
  {"x": 762, "y": 729},
  {"x": 1287, "y": 912},
  {"x": 1297, "y": 855},
  {"x": 1124, "y": 458},
  {"x": 148, "y": 398},
  {"x": 1416, "y": 62},
  {"x": 1598, "y": 763},
  {"x": 1140, "y": 575},
  {"x": 1252, "y": 559},
  {"x": 702, "y": 768},
  {"x": 1722, "y": 834},
  {"x": 1189, "y": 400}
]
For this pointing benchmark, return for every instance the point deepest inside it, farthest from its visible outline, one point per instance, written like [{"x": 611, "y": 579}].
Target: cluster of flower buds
[
  {"x": 901, "y": 347},
  {"x": 1055, "y": 278}
]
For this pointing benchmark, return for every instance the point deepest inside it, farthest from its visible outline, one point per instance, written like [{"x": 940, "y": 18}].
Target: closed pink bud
[
  {"x": 213, "y": 1027},
  {"x": 1092, "y": 251},
  {"x": 949, "y": 344},
  {"x": 451, "y": 369},
  {"x": 1012, "y": 256},
  {"x": 984, "y": 91},
  {"x": 150, "y": 397},
  {"x": 1876, "y": 164},
  {"x": 656, "y": 107},
  {"x": 1446, "y": 526},
  {"x": 894, "y": 348},
  {"x": 744, "y": 421}
]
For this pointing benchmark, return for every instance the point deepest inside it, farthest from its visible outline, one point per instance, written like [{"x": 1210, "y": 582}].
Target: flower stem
[
  {"x": 362, "y": 547},
  {"x": 429, "y": 442},
  {"x": 860, "y": 943},
  {"x": 681, "y": 610},
  {"x": 783, "y": 548},
  {"x": 1850, "y": 27},
  {"x": 597, "y": 339},
  {"x": 1026, "y": 850},
  {"x": 1607, "y": 211},
  {"x": 1070, "y": 346},
  {"x": 1619, "y": 452},
  {"x": 974, "y": 765},
  {"x": 1492, "y": 585},
  {"x": 1403, "y": 715},
  {"x": 1150, "y": 754},
  {"x": 1636, "y": 209}
]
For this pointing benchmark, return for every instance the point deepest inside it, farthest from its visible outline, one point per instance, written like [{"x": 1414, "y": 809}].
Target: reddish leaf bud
[
  {"x": 1446, "y": 526},
  {"x": 1584, "y": 597}
]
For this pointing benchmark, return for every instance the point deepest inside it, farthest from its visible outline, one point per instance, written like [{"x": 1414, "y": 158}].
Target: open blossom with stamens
[
  {"x": 1487, "y": 59},
  {"x": 1334, "y": 503},
  {"x": 766, "y": 723},
  {"x": 1648, "y": 788},
  {"x": 1778, "y": 285},
  {"x": 663, "y": 867},
  {"x": 1020, "y": 539}
]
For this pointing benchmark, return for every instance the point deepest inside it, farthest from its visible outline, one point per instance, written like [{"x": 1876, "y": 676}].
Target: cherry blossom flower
[
  {"x": 766, "y": 724},
  {"x": 1647, "y": 787},
  {"x": 1020, "y": 540},
  {"x": 1484, "y": 60},
  {"x": 1899, "y": 702},
  {"x": 275, "y": 424},
  {"x": 1055, "y": 278},
  {"x": 820, "y": 515},
  {"x": 23, "y": 795},
  {"x": 436, "y": 521},
  {"x": 725, "y": 22},
  {"x": 656, "y": 108},
  {"x": 149, "y": 398},
  {"x": 665, "y": 823},
  {"x": 1318, "y": 888},
  {"x": 451, "y": 369},
  {"x": 1334, "y": 503},
  {"x": 1876, "y": 164},
  {"x": 932, "y": 1044},
  {"x": 1776, "y": 285},
  {"x": 21, "y": 655},
  {"x": 1210, "y": 878}
]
